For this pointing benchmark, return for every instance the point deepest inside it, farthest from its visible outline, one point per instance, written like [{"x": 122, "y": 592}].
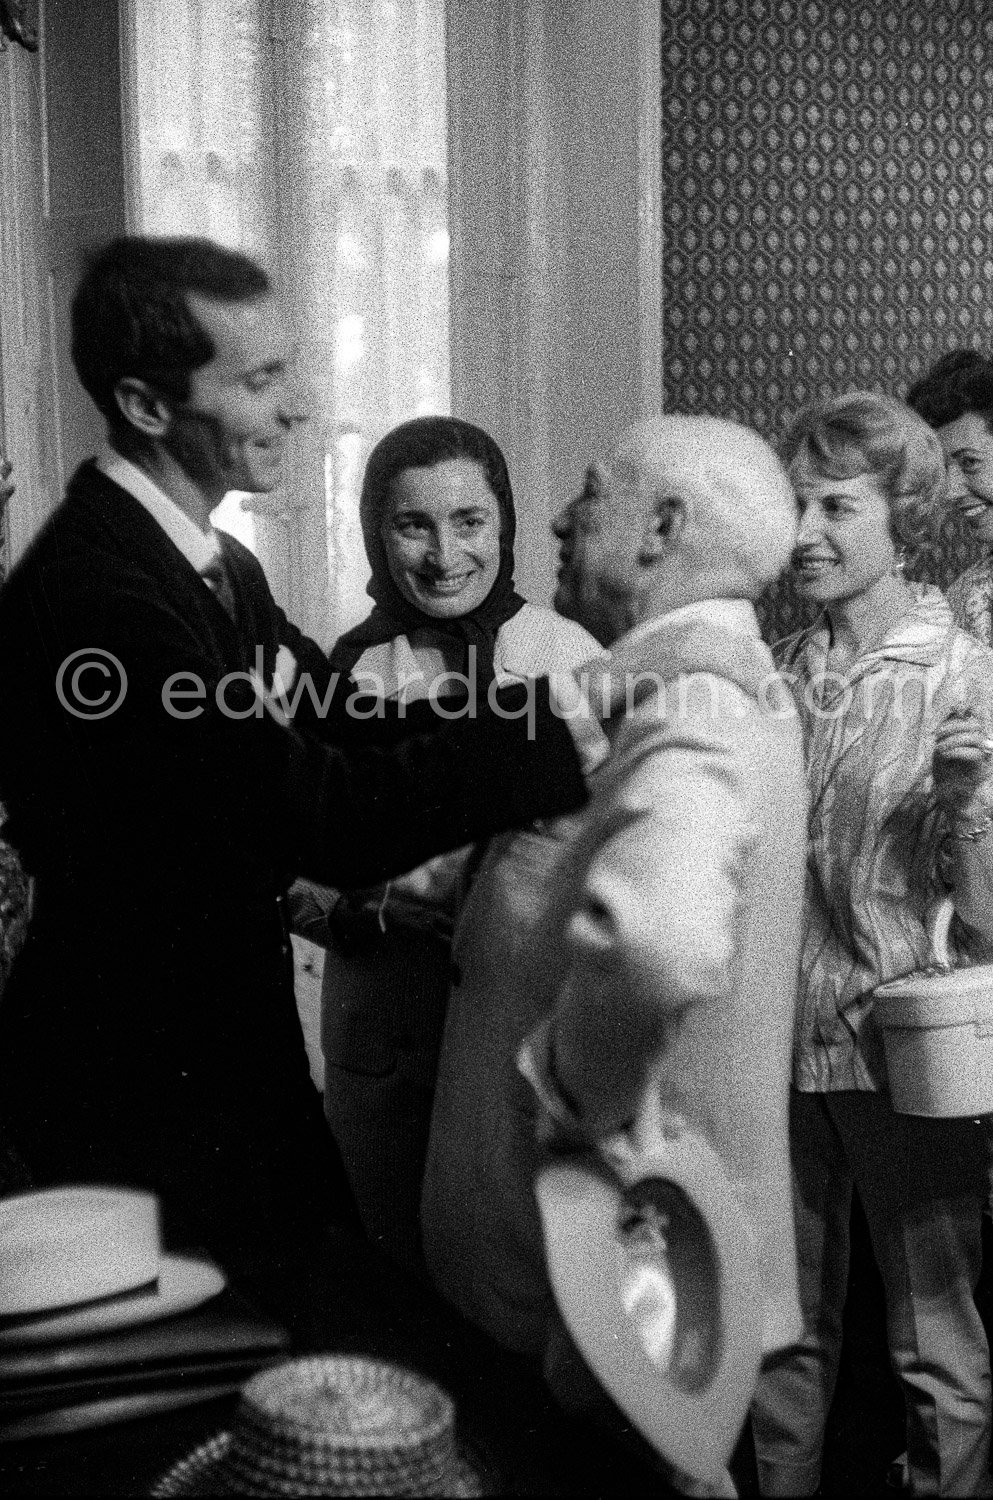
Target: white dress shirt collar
[{"x": 198, "y": 547}]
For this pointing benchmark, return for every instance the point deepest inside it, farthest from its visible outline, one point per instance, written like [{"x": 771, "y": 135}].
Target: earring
[{"x": 900, "y": 561}]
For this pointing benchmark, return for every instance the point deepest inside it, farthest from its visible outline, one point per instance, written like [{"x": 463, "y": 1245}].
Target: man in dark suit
[{"x": 161, "y": 800}]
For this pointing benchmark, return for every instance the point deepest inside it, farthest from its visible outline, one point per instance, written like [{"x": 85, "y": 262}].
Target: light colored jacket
[
  {"x": 674, "y": 895},
  {"x": 878, "y": 859}
]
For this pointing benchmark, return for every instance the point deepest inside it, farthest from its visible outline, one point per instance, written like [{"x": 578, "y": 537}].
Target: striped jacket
[{"x": 877, "y": 855}]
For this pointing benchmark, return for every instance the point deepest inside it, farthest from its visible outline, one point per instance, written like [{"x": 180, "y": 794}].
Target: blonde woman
[{"x": 897, "y": 706}]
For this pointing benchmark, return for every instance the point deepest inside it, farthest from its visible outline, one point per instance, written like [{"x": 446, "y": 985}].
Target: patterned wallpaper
[{"x": 827, "y": 192}]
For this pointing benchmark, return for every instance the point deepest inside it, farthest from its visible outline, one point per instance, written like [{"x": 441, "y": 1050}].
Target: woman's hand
[{"x": 962, "y": 760}]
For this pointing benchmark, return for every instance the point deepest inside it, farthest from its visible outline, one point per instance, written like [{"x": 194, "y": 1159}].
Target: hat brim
[
  {"x": 204, "y": 1472},
  {"x": 184, "y": 1282},
  {"x": 692, "y": 1424}
]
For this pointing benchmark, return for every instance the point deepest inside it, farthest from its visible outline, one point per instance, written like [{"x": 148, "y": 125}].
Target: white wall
[
  {"x": 555, "y": 267},
  {"x": 61, "y": 189}
]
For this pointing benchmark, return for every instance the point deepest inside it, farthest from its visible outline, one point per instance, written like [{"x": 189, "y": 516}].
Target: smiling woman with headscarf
[{"x": 438, "y": 523}]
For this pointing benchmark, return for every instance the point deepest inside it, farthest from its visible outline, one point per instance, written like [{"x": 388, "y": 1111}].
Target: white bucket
[{"x": 938, "y": 1035}]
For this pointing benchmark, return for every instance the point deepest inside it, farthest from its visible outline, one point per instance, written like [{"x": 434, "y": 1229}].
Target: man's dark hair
[
  {"x": 131, "y": 315},
  {"x": 960, "y": 382}
]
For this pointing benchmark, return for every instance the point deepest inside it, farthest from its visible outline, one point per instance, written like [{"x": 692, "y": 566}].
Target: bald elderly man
[{"x": 653, "y": 938}]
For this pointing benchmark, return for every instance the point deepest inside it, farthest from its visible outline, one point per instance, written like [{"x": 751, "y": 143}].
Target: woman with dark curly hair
[{"x": 955, "y": 397}]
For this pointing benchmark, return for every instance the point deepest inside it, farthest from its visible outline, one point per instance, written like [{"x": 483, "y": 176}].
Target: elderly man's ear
[
  {"x": 142, "y": 407},
  {"x": 665, "y": 527}
]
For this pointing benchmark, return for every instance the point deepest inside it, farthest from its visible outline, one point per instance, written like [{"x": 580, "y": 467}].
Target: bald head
[
  {"x": 687, "y": 508},
  {"x": 739, "y": 511}
]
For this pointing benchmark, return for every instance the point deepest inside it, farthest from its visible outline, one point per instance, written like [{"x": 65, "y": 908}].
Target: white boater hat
[
  {"x": 81, "y": 1260},
  {"x": 654, "y": 1267}
]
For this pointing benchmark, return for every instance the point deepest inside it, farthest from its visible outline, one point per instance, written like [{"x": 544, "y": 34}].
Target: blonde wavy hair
[{"x": 864, "y": 432}]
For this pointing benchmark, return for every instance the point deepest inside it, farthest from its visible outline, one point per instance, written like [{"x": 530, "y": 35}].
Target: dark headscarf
[{"x": 420, "y": 444}]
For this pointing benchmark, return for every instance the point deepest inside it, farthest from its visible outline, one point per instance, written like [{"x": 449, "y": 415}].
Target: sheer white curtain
[{"x": 312, "y": 134}]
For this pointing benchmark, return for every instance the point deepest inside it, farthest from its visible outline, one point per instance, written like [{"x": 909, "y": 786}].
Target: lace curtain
[{"x": 312, "y": 134}]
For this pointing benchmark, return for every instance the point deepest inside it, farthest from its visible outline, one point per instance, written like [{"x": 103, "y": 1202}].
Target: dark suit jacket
[{"x": 148, "y": 1033}]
